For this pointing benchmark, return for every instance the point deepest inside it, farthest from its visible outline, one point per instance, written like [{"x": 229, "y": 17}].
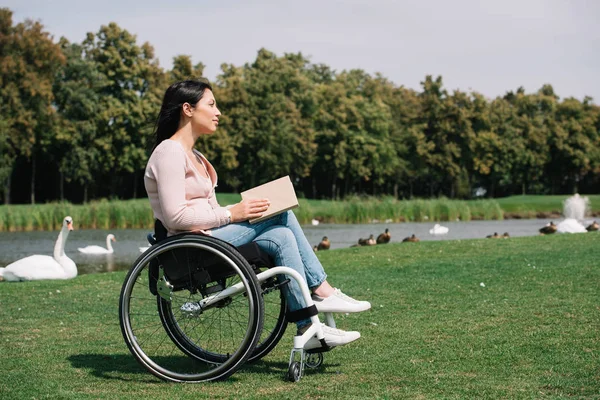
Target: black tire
[
  {"x": 293, "y": 373},
  {"x": 175, "y": 344},
  {"x": 274, "y": 323}
]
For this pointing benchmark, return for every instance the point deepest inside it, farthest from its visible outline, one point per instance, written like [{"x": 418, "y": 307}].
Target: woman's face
[{"x": 205, "y": 116}]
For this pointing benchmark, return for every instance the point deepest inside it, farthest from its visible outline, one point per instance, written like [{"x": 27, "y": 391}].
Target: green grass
[
  {"x": 434, "y": 332},
  {"x": 530, "y": 205}
]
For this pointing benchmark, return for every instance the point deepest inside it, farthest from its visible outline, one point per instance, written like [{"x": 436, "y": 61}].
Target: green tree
[
  {"x": 29, "y": 60},
  {"x": 574, "y": 143},
  {"x": 129, "y": 101},
  {"x": 77, "y": 89},
  {"x": 183, "y": 69},
  {"x": 267, "y": 107}
]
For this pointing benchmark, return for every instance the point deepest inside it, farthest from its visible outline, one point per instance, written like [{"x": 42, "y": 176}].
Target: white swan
[
  {"x": 438, "y": 230},
  {"x": 39, "y": 267},
  {"x": 99, "y": 250}
]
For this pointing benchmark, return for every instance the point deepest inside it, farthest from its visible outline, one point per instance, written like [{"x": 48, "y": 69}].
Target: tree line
[{"x": 76, "y": 121}]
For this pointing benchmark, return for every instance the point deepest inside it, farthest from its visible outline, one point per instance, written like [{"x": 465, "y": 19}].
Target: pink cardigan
[{"x": 181, "y": 198}]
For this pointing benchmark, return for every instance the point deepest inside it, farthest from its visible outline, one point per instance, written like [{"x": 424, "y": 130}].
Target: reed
[{"x": 136, "y": 214}]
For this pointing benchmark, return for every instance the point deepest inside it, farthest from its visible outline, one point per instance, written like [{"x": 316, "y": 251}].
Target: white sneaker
[
  {"x": 333, "y": 337},
  {"x": 339, "y": 302}
]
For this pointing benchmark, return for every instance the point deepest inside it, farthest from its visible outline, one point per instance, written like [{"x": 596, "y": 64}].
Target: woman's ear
[{"x": 186, "y": 109}]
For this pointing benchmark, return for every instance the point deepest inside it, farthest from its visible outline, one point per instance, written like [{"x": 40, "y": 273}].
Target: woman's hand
[{"x": 249, "y": 209}]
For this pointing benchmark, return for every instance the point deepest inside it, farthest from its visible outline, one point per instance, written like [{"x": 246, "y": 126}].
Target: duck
[
  {"x": 98, "y": 249},
  {"x": 40, "y": 267},
  {"x": 367, "y": 242},
  {"x": 384, "y": 237},
  {"x": 548, "y": 229},
  {"x": 494, "y": 236},
  {"x": 324, "y": 244},
  {"x": 592, "y": 227},
  {"x": 438, "y": 230},
  {"x": 505, "y": 235},
  {"x": 411, "y": 238}
]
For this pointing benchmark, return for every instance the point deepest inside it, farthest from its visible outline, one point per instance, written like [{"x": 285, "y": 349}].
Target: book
[{"x": 280, "y": 193}]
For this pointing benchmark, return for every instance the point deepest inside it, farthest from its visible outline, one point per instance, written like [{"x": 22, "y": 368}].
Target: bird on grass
[
  {"x": 548, "y": 229},
  {"x": 412, "y": 238},
  {"x": 505, "y": 235},
  {"x": 324, "y": 244},
  {"x": 384, "y": 237},
  {"x": 494, "y": 236},
  {"x": 592, "y": 227},
  {"x": 38, "y": 267},
  {"x": 367, "y": 242}
]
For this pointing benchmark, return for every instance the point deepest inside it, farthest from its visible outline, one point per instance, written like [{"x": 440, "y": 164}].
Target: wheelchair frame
[{"x": 210, "y": 290}]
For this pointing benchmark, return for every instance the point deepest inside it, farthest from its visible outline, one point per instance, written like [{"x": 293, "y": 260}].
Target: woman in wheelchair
[{"x": 181, "y": 187}]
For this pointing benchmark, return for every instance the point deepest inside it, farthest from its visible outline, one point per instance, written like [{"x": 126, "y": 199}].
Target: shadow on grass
[
  {"x": 111, "y": 366},
  {"x": 281, "y": 368},
  {"x": 122, "y": 366}
]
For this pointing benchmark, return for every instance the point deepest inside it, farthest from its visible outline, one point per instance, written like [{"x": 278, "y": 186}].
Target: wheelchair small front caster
[
  {"x": 294, "y": 372},
  {"x": 313, "y": 360}
]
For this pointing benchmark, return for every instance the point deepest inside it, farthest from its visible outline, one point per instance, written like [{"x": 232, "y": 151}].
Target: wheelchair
[{"x": 194, "y": 308}]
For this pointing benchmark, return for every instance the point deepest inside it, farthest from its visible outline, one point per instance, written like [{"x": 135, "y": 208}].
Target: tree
[
  {"x": 183, "y": 69},
  {"x": 77, "y": 89},
  {"x": 128, "y": 102},
  {"x": 574, "y": 150},
  {"x": 29, "y": 60},
  {"x": 267, "y": 108}
]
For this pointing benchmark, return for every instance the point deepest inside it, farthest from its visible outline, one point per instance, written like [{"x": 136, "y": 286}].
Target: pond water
[{"x": 16, "y": 245}]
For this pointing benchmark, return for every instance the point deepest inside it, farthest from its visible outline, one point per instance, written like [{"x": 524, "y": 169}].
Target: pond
[{"x": 16, "y": 245}]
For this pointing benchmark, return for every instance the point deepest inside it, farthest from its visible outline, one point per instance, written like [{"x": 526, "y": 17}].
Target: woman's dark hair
[{"x": 190, "y": 91}]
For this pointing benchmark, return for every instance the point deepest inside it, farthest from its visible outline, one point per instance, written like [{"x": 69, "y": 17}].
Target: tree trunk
[
  {"x": 33, "y": 178},
  {"x": 85, "y": 193},
  {"x": 7, "y": 189},
  {"x": 62, "y": 186},
  {"x": 135, "y": 185},
  {"x": 396, "y": 190},
  {"x": 333, "y": 189}
]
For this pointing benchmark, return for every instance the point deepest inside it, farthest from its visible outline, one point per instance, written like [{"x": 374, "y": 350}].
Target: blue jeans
[{"x": 283, "y": 239}]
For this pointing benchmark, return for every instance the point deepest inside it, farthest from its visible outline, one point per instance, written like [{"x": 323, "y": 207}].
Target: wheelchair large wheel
[
  {"x": 274, "y": 322},
  {"x": 191, "y": 310}
]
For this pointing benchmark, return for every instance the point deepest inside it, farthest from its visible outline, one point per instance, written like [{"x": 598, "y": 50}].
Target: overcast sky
[{"x": 489, "y": 46}]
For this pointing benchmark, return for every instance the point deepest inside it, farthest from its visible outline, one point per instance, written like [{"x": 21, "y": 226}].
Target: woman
[{"x": 181, "y": 187}]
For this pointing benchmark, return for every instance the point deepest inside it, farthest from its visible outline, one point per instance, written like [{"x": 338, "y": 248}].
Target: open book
[{"x": 280, "y": 193}]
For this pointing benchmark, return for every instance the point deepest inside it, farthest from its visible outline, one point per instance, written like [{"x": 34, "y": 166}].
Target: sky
[{"x": 487, "y": 46}]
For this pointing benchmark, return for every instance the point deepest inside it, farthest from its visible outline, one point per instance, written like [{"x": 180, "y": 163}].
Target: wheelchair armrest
[{"x": 151, "y": 239}]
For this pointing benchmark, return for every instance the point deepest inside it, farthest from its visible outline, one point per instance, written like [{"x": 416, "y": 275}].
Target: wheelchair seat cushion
[
  {"x": 255, "y": 255},
  {"x": 185, "y": 266}
]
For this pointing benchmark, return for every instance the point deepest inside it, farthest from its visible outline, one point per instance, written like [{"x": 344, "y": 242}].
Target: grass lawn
[
  {"x": 530, "y": 205},
  {"x": 511, "y": 318}
]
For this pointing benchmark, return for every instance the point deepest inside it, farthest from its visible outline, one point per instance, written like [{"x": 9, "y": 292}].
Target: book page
[{"x": 280, "y": 193}]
